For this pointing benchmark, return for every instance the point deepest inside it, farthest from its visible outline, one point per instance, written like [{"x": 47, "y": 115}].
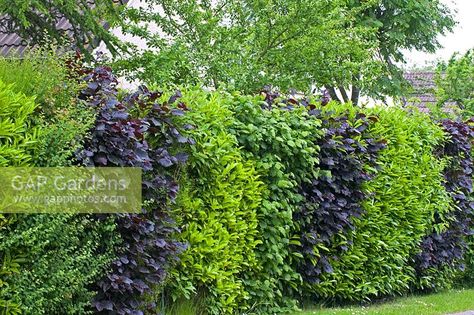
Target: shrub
[
  {"x": 137, "y": 131},
  {"x": 44, "y": 74},
  {"x": 17, "y": 135},
  {"x": 64, "y": 119},
  {"x": 443, "y": 251},
  {"x": 62, "y": 255},
  {"x": 282, "y": 141},
  {"x": 54, "y": 258},
  {"x": 17, "y": 139},
  {"x": 334, "y": 199},
  {"x": 217, "y": 209},
  {"x": 404, "y": 195}
]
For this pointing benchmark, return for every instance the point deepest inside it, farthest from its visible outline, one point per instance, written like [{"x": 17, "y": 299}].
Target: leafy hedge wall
[
  {"x": 282, "y": 142},
  {"x": 444, "y": 250},
  {"x": 402, "y": 199},
  {"x": 217, "y": 209},
  {"x": 333, "y": 199},
  {"x": 252, "y": 203}
]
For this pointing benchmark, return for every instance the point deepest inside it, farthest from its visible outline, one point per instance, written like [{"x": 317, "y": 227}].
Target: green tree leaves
[
  {"x": 348, "y": 47},
  {"x": 455, "y": 83}
]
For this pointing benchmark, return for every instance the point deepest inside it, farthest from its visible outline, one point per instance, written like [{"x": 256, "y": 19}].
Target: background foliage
[
  {"x": 454, "y": 83},
  {"x": 348, "y": 47}
]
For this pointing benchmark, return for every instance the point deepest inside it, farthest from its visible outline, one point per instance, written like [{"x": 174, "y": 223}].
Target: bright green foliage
[
  {"x": 405, "y": 194},
  {"x": 16, "y": 136},
  {"x": 49, "y": 260},
  {"x": 282, "y": 144},
  {"x": 217, "y": 208},
  {"x": 61, "y": 256},
  {"x": 42, "y": 73},
  {"x": 455, "y": 83},
  {"x": 63, "y": 118}
]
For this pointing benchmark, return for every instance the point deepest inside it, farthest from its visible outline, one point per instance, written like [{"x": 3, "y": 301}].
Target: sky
[{"x": 460, "y": 40}]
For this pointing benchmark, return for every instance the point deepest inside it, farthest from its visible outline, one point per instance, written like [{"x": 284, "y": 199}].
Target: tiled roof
[
  {"x": 11, "y": 42},
  {"x": 423, "y": 84},
  {"x": 421, "y": 80},
  {"x": 424, "y": 93}
]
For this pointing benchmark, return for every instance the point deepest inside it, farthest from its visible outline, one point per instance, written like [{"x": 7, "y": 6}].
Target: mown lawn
[{"x": 435, "y": 304}]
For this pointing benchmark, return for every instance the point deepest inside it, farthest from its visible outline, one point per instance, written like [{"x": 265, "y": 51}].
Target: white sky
[{"x": 460, "y": 40}]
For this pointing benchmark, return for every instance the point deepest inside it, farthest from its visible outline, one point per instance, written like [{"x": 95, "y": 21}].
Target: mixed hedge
[{"x": 252, "y": 203}]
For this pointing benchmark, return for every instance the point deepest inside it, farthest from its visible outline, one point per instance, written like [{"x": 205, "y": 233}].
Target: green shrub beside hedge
[
  {"x": 62, "y": 255},
  {"x": 48, "y": 261}
]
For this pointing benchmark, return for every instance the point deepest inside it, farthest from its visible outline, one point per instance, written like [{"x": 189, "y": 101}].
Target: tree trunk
[
  {"x": 332, "y": 92},
  {"x": 344, "y": 94},
  {"x": 355, "y": 95}
]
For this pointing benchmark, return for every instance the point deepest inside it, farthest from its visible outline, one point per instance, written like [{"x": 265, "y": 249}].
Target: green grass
[{"x": 434, "y": 304}]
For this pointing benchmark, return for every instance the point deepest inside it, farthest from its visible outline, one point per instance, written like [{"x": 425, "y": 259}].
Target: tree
[
  {"x": 403, "y": 24},
  {"x": 36, "y": 21},
  {"x": 455, "y": 82},
  {"x": 346, "y": 46}
]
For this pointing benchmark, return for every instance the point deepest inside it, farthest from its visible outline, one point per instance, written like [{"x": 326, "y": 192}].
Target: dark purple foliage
[
  {"x": 138, "y": 132},
  {"x": 325, "y": 98},
  {"x": 334, "y": 199},
  {"x": 448, "y": 248}
]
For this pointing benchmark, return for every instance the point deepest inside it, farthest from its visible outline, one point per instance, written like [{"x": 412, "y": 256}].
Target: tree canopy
[
  {"x": 455, "y": 82},
  {"x": 346, "y": 46}
]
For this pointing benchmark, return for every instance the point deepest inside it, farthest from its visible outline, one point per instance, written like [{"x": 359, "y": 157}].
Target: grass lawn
[{"x": 441, "y": 303}]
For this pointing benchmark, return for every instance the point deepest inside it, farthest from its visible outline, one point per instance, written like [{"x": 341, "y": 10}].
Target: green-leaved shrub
[
  {"x": 282, "y": 142},
  {"x": 217, "y": 209},
  {"x": 17, "y": 135},
  {"x": 64, "y": 119},
  {"x": 62, "y": 255},
  {"x": 49, "y": 262}
]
